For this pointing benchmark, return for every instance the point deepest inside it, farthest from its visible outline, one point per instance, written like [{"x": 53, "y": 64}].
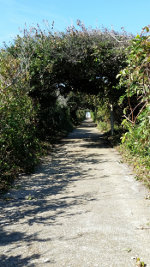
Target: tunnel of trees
[{"x": 49, "y": 79}]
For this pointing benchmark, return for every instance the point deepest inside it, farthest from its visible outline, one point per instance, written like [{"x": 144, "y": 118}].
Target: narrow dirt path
[{"x": 82, "y": 207}]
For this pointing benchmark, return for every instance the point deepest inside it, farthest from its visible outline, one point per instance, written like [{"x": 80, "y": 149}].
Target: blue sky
[{"x": 133, "y": 15}]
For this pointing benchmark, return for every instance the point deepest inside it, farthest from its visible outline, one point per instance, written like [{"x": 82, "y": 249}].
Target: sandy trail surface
[{"x": 81, "y": 207}]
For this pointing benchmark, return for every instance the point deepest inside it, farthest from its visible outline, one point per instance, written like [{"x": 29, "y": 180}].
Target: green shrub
[
  {"x": 18, "y": 142},
  {"x": 136, "y": 139}
]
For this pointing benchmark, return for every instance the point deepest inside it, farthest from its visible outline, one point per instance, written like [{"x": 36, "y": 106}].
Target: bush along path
[{"x": 81, "y": 207}]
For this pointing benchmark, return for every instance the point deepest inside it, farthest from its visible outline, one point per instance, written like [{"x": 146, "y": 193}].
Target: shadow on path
[{"x": 42, "y": 197}]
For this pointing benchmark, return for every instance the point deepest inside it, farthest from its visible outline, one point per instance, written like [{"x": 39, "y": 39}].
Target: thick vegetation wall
[{"x": 136, "y": 80}]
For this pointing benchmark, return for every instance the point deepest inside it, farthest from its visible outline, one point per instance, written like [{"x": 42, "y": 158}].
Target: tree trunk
[{"x": 112, "y": 119}]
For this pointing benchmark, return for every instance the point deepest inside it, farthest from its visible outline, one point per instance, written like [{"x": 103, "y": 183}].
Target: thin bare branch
[{"x": 140, "y": 111}]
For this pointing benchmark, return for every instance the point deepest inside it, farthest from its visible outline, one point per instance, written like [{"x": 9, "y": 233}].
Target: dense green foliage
[
  {"x": 136, "y": 79},
  {"x": 18, "y": 141},
  {"x": 48, "y": 80}
]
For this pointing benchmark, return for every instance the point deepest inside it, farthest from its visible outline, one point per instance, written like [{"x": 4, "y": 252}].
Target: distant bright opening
[{"x": 88, "y": 115}]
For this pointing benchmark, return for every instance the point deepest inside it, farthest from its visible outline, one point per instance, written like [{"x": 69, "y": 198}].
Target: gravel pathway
[{"x": 81, "y": 207}]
